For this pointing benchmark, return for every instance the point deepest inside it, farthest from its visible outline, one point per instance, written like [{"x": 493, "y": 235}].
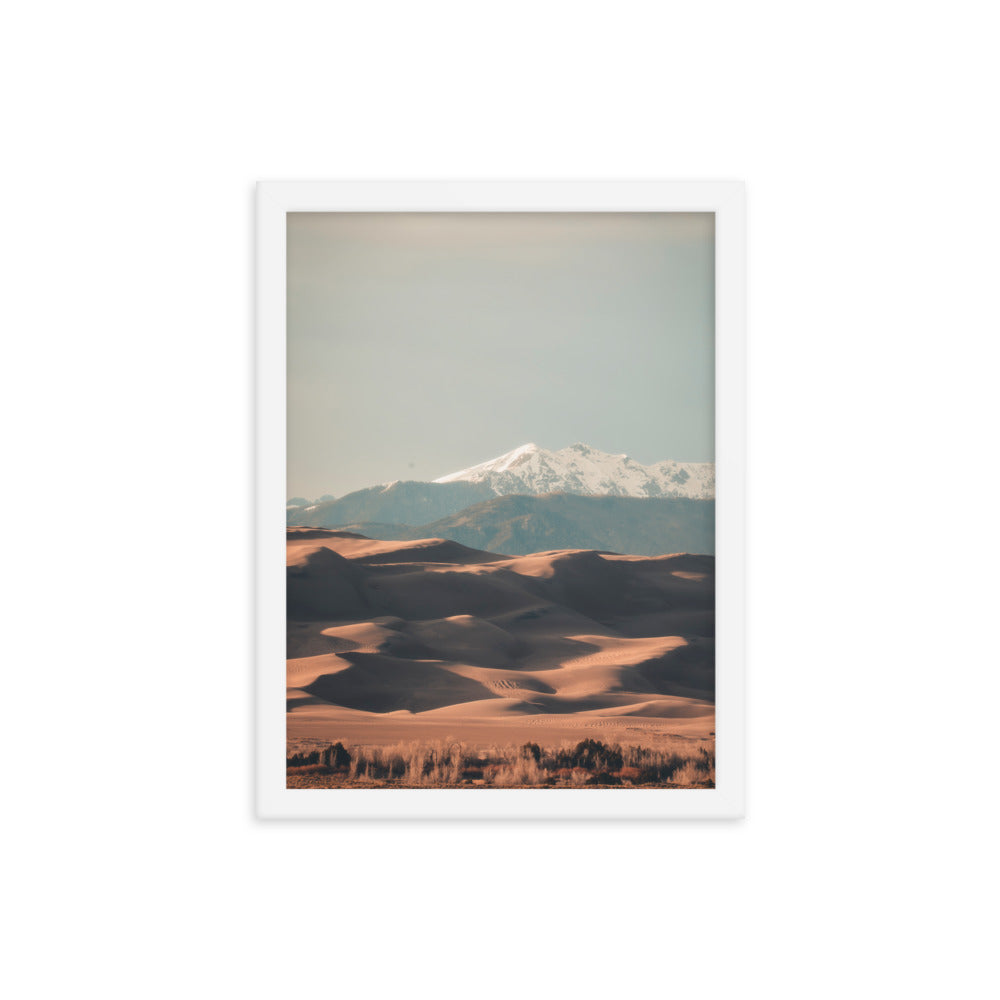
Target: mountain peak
[
  {"x": 503, "y": 463},
  {"x": 583, "y": 470}
]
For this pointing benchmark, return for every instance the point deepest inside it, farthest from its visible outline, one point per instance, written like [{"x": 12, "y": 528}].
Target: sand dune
[{"x": 400, "y": 640}]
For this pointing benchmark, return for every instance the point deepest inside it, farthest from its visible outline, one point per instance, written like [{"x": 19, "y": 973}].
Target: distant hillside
[
  {"x": 400, "y": 503},
  {"x": 517, "y": 525}
]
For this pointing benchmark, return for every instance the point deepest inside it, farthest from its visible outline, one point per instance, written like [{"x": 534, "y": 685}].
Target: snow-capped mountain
[{"x": 586, "y": 471}]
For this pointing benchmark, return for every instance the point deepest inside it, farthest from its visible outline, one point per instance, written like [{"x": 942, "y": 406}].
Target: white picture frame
[{"x": 726, "y": 199}]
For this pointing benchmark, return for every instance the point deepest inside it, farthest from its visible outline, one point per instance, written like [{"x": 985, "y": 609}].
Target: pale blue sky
[{"x": 419, "y": 344}]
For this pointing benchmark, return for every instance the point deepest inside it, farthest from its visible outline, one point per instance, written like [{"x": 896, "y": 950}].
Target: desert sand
[{"x": 428, "y": 640}]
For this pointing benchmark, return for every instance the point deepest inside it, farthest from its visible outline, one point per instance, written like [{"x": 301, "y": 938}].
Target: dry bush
[
  {"x": 522, "y": 771},
  {"x": 699, "y": 770}
]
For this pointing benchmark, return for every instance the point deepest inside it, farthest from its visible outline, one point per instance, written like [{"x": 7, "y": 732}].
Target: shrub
[
  {"x": 594, "y": 755},
  {"x": 671, "y": 766},
  {"x": 336, "y": 755},
  {"x": 523, "y": 772},
  {"x": 603, "y": 778}
]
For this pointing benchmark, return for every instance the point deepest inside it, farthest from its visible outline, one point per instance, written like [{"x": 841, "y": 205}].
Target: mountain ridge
[
  {"x": 585, "y": 471},
  {"x": 531, "y": 499},
  {"x": 529, "y": 470}
]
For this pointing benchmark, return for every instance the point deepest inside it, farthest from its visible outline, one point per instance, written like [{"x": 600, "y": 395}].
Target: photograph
[
  {"x": 500, "y": 500},
  {"x": 469, "y": 465}
]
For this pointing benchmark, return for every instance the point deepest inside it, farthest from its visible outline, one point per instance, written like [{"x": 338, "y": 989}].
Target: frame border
[{"x": 728, "y": 201}]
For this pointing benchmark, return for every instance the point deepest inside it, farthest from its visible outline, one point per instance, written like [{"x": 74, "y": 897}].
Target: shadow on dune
[
  {"x": 378, "y": 683},
  {"x": 688, "y": 671}
]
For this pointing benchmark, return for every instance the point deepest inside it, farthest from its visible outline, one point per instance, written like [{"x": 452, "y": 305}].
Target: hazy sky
[{"x": 419, "y": 344}]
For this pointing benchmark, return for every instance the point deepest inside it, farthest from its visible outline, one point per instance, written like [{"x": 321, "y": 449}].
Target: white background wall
[{"x": 866, "y": 134}]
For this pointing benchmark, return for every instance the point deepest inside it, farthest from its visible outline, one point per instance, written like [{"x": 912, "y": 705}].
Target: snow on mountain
[{"x": 588, "y": 472}]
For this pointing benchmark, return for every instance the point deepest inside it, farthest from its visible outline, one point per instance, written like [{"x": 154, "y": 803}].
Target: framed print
[{"x": 500, "y": 499}]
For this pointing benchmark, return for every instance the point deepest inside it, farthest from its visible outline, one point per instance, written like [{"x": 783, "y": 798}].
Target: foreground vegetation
[{"x": 459, "y": 765}]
